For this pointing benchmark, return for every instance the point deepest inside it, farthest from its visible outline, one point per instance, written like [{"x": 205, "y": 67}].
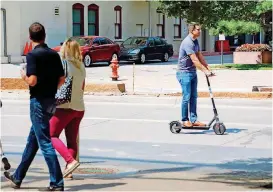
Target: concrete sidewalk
[
  {"x": 160, "y": 79},
  {"x": 123, "y": 179}
]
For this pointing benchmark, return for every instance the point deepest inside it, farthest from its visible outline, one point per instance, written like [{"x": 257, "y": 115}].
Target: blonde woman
[{"x": 69, "y": 115}]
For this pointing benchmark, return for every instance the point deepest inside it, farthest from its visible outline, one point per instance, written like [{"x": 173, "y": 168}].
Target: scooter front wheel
[
  {"x": 175, "y": 127},
  {"x": 219, "y": 128}
]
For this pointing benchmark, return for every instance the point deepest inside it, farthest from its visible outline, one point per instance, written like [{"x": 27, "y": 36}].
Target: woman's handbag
[{"x": 64, "y": 93}]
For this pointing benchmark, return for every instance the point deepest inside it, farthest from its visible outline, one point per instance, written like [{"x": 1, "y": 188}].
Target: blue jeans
[
  {"x": 188, "y": 82},
  {"x": 40, "y": 113}
]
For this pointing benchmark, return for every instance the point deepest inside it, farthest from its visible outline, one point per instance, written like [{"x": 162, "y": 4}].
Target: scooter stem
[{"x": 211, "y": 96}]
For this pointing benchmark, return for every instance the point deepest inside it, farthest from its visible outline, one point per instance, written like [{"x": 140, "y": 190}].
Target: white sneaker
[
  {"x": 69, "y": 177},
  {"x": 70, "y": 168}
]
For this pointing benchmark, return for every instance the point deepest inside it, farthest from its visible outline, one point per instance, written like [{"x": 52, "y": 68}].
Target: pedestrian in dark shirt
[{"x": 44, "y": 74}]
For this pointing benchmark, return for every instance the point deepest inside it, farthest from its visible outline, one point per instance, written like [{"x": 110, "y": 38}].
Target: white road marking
[
  {"x": 12, "y": 145},
  {"x": 151, "y": 120},
  {"x": 169, "y": 105},
  {"x": 100, "y": 150}
]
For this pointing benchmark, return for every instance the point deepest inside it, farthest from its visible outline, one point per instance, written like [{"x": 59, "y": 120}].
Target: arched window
[
  {"x": 93, "y": 20},
  {"x": 160, "y": 24},
  {"x": 118, "y": 23},
  {"x": 78, "y": 19}
]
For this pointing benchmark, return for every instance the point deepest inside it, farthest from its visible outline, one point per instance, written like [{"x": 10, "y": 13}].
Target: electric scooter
[
  {"x": 4, "y": 158},
  {"x": 219, "y": 127}
]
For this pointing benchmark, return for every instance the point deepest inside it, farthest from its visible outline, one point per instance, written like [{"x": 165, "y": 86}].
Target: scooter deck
[{"x": 196, "y": 128}]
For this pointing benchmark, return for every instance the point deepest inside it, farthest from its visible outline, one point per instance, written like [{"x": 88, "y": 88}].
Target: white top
[{"x": 77, "y": 102}]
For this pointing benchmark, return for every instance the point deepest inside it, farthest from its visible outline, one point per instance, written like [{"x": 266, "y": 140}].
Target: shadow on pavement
[
  {"x": 98, "y": 65},
  {"x": 26, "y": 182},
  {"x": 72, "y": 188},
  {"x": 255, "y": 164},
  {"x": 255, "y": 173},
  {"x": 251, "y": 173},
  {"x": 228, "y": 130},
  {"x": 92, "y": 186}
]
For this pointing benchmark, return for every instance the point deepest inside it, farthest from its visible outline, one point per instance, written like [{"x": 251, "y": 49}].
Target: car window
[
  {"x": 81, "y": 41},
  {"x": 135, "y": 41},
  {"x": 109, "y": 42},
  {"x": 128, "y": 41},
  {"x": 140, "y": 41},
  {"x": 151, "y": 42},
  {"x": 158, "y": 41},
  {"x": 163, "y": 42},
  {"x": 103, "y": 41},
  {"x": 96, "y": 42}
]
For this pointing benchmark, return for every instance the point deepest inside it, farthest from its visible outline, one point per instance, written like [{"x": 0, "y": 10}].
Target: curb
[
  {"x": 209, "y": 54},
  {"x": 19, "y": 84},
  {"x": 11, "y": 85},
  {"x": 16, "y": 94},
  {"x": 262, "y": 89},
  {"x": 250, "y": 95}
]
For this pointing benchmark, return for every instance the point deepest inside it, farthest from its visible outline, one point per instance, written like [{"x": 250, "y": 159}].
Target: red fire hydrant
[{"x": 114, "y": 65}]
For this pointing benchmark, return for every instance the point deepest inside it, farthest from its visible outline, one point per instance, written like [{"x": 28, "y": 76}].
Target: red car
[{"x": 96, "y": 49}]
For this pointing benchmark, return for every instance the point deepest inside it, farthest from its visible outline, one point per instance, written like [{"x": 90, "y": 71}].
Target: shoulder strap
[{"x": 64, "y": 62}]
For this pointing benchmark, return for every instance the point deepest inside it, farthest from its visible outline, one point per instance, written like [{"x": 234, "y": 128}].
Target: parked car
[
  {"x": 141, "y": 49},
  {"x": 96, "y": 49}
]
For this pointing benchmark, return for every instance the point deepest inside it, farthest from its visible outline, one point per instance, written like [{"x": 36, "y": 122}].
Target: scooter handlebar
[{"x": 211, "y": 74}]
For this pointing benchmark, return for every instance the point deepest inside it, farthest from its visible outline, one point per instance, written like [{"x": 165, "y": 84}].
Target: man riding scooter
[{"x": 189, "y": 59}]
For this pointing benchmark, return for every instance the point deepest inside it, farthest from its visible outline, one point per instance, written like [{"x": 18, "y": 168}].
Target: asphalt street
[{"x": 131, "y": 134}]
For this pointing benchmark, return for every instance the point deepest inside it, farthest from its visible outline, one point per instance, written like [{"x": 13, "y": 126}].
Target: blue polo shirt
[{"x": 187, "y": 47}]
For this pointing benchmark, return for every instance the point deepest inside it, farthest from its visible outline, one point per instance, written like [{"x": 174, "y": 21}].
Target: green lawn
[{"x": 243, "y": 66}]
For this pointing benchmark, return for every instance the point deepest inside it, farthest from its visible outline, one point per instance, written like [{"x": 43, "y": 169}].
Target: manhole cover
[{"x": 95, "y": 171}]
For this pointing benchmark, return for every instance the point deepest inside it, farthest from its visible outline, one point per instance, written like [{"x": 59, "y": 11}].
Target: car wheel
[
  {"x": 142, "y": 58},
  {"x": 87, "y": 60},
  {"x": 113, "y": 56},
  {"x": 165, "y": 57}
]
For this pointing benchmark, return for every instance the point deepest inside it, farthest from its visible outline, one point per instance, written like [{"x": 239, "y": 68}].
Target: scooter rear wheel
[
  {"x": 219, "y": 128},
  {"x": 175, "y": 127}
]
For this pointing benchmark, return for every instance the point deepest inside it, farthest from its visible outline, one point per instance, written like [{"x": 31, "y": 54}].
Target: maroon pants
[{"x": 69, "y": 120}]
